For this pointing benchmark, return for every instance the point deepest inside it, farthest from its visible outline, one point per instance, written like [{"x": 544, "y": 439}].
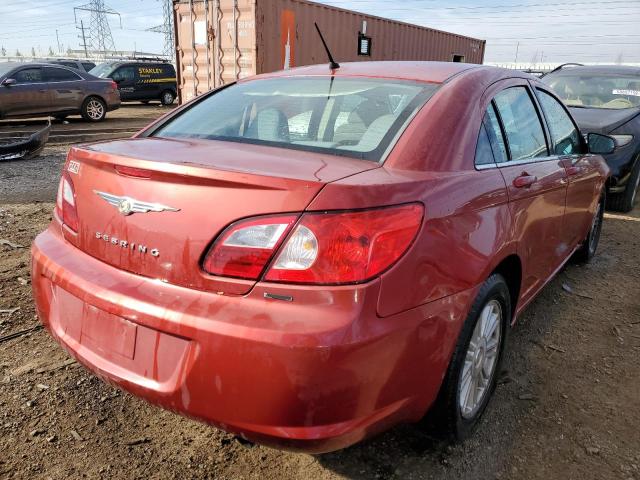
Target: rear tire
[
  {"x": 94, "y": 109},
  {"x": 475, "y": 363},
  {"x": 625, "y": 201},
  {"x": 588, "y": 249},
  {"x": 167, "y": 97}
]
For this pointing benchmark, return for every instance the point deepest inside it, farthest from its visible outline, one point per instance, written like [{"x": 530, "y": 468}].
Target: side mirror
[
  {"x": 9, "y": 82},
  {"x": 600, "y": 144}
]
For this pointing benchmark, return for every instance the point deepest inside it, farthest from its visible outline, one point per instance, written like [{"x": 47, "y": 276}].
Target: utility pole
[
  {"x": 101, "y": 39},
  {"x": 84, "y": 40},
  {"x": 166, "y": 28},
  {"x": 58, "y": 41},
  {"x": 517, "y": 49}
]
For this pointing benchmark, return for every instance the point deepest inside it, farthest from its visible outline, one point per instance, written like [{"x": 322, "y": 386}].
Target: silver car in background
[{"x": 38, "y": 89}]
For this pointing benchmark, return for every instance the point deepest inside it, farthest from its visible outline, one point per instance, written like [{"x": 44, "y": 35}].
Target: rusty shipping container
[{"x": 219, "y": 41}]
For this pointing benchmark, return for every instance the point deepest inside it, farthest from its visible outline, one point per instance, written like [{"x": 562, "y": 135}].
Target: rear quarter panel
[{"x": 466, "y": 229}]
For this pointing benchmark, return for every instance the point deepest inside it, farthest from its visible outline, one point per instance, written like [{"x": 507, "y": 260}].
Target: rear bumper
[
  {"x": 316, "y": 374},
  {"x": 113, "y": 101},
  {"x": 113, "y": 104}
]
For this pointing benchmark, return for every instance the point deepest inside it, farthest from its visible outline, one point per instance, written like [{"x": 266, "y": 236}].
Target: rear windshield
[
  {"x": 596, "y": 91},
  {"x": 353, "y": 117}
]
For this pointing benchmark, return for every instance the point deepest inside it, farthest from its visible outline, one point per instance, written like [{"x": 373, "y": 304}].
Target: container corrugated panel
[
  {"x": 215, "y": 44},
  {"x": 218, "y": 41}
]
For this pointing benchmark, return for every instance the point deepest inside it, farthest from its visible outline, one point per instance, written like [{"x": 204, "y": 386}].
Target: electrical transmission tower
[
  {"x": 100, "y": 39},
  {"x": 166, "y": 28}
]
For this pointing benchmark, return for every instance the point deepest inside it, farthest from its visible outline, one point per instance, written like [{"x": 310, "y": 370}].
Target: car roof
[
  {"x": 601, "y": 69},
  {"x": 117, "y": 63},
  {"x": 33, "y": 64},
  {"x": 422, "y": 71}
]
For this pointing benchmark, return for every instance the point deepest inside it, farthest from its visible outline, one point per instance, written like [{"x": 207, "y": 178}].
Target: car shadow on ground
[{"x": 411, "y": 448}]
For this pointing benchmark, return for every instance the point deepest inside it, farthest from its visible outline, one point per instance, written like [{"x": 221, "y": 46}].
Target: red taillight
[
  {"x": 66, "y": 203},
  {"x": 245, "y": 248},
  {"x": 114, "y": 85},
  {"x": 349, "y": 247},
  {"x": 323, "y": 248}
]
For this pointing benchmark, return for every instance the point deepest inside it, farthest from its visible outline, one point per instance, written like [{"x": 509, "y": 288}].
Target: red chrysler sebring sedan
[{"x": 308, "y": 257}]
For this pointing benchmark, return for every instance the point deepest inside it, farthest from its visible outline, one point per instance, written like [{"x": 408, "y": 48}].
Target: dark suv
[
  {"x": 142, "y": 81},
  {"x": 82, "y": 65},
  {"x": 37, "y": 89},
  {"x": 606, "y": 99}
]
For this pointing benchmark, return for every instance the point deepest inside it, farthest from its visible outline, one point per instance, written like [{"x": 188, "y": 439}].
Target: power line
[
  {"x": 100, "y": 39},
  {"x": 166, "y": 28},
  {"x": 22, "y": 8}
]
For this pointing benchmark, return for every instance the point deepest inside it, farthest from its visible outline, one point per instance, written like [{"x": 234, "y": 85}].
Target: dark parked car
[
  {"x": 309, "y": 257},
  {"x": 82, "y": 65},
  {"x": 35, "y": 89},
  {"x": 606, "y": 99},
  {"x": 141, "y": 81}
]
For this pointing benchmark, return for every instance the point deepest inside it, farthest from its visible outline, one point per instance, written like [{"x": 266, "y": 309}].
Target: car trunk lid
[{"x": 183, "y": 193}]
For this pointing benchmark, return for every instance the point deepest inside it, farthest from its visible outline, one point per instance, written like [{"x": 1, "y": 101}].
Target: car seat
[{"x": 270, "y": 125}]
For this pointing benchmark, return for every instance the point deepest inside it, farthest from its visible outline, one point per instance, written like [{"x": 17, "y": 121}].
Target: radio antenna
[{"x": 332, "y": 63}]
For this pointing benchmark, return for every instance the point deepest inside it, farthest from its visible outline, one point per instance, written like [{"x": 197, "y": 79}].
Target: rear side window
[
  {"x": 565, "y": 135},
  {"x": 494, "y": 132},
  {"x": 355, "y": 117},
  {"x": 53, "y": 74},
  {"x": 29, "y": 75},
  {"x": 124, "y": 74},
  {"x": 521, "y": 124},
  {"x": 88, "y": 66},
  {"x": 484, "y": 154}
]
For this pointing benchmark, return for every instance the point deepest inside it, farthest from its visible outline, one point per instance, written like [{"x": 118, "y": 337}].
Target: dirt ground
[{"x": 566, "y": 406}]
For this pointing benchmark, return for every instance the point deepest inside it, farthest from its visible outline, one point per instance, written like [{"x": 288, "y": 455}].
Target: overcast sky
[{"x": 598, "y": 31}]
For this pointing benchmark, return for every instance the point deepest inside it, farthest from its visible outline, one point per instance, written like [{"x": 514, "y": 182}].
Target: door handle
[
  {"x": 524, "y": 181},
  {"x": 43, "y": 90}
]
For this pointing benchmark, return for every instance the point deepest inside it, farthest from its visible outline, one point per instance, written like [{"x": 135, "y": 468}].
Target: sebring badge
[
  {"x": 128, "y": 205},
  {"x": 127, "y": 245}
]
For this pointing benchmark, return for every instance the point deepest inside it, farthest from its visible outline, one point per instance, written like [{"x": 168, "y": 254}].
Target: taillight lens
[
  {"x": 244, "y": 249},
  {"x": 66, "y": 203},
  {"x": 346, "y": 247}
]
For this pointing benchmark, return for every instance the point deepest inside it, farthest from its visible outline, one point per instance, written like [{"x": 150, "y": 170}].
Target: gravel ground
[
  {"x": 36, "y": 180},
  {"x": 566, "y": 406}
]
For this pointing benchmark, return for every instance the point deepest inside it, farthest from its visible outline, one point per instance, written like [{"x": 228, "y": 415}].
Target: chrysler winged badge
[{"x": 127, "y": 205}]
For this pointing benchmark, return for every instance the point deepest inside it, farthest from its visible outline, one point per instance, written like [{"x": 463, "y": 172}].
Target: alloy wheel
[
  {"x": 95, "y": 109},
  {"x": 480, "y": 360}
]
